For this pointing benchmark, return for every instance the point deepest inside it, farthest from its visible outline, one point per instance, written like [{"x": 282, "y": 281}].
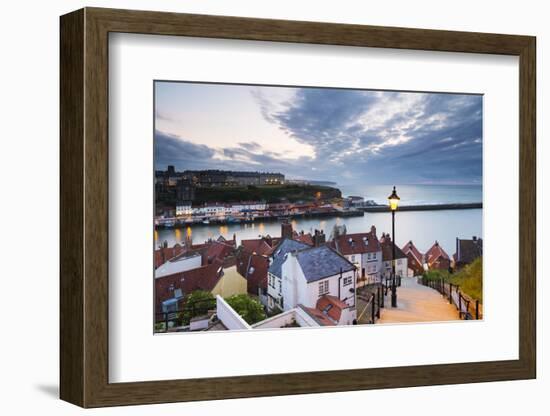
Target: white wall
[
  {"x": 29, "y": 355},
  {"x": 229, "y": 317}
]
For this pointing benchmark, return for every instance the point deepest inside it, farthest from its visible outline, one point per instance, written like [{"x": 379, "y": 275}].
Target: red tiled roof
[
  {"x": 387, "y": 252},
  {"x": 411, "y": 249},
  {"x": 217, "y": 250},
  {"x": 201, "y": 278},
  {"x": 434, "y": 253},
  {"x": 256, "y": 273},
  {"x": 331, "y": 306},
  {"x": 163, "y": 254},
  {"x": 258, "y": 246},
  {"x": 357, "y": 243},
  {"x": 318, "y": 316},
  {"x": 303, "y": 238}
]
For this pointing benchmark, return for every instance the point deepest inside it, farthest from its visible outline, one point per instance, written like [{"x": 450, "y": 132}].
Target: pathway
[{"x": 417, "y": 303}]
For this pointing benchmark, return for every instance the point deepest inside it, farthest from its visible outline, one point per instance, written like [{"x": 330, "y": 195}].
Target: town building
[
  {"x": 310, "y": 273},
  {"x": 437, "y": 258},
  {"x": 275, "y": 283},
  {"x": 184, "y": 208},
  {"x": 171, "y": 290},
  {"x": 180, "y": 263},
  {"x": 401, "y": 259},
  {"x": 415, "y": 259},
  {"x": 255, "y": 274},
  {"x": 467, "y": 251},
  {"x": 364, "y": 251},
  {"x": 331, "y": 311},
  {"x": 165, "y": 253}
]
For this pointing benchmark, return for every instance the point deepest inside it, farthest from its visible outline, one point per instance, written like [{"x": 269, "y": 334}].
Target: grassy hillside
[
  {"x": 271, "y": 193},
  {"x": 469, "y": 278}
]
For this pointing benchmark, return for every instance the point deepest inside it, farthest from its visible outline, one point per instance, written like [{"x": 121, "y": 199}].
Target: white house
[
  {"x": 364, "y": 251},
  {"x": 211, "y": 210},
  {"x": 274, "y": 274},
  {"x": 316, "y": 279},
  {"x": 240, "y": 207}
]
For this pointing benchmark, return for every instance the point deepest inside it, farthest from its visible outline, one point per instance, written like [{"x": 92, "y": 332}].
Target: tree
[
  {"x": 248, "y": 308},
  {"x": 197, "y": 303}
]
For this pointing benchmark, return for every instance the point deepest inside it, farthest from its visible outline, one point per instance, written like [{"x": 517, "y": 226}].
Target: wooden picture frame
[{"x": 84, "y": 207}]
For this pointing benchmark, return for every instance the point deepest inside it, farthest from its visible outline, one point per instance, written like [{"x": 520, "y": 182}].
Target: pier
[{"x": 429, "y": 207}]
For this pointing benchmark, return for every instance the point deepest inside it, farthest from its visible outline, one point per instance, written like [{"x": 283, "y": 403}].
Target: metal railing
[
  {"x": 373, "y": 297},
  {"x": 169, "y": 320},
  {"x": 467, "y": 307}
]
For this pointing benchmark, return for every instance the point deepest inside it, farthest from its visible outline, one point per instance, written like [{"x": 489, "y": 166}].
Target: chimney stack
[
  {"x": 319, "y": 238},
  {"x": 286, "y": 230},
  {"x": 373, "y": 229}
]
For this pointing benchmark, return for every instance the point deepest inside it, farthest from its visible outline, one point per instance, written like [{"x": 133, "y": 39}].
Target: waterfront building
[
  {"x": 467, "y": 251},
  {"x": 437, "y": 258},
  {"x": 364, "y": 251},
  {"x": 184, "y": 208},
  {"x": 401, "y": 259}
]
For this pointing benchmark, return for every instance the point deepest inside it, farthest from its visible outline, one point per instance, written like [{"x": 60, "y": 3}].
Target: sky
[{"x": 340, "y": 135}]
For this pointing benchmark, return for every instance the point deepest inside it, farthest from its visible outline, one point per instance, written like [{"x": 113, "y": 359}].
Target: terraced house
[{"x": 364, "y": 251}]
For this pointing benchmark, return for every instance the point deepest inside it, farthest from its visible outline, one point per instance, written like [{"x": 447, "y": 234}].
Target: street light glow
[{"x": 393, "y": 200}]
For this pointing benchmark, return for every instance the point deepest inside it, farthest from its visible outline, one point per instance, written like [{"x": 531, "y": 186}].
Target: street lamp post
[{"x": 394, "y": 202}]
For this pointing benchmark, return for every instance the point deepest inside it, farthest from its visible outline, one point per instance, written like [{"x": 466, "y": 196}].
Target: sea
[{"x": 422, "y": 227}]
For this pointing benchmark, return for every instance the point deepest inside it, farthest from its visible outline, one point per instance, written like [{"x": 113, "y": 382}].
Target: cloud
[
  {"x": 357, "y": 136},
  {"x": 388, "y": 135},
  {"x": 174, "y": 150}
]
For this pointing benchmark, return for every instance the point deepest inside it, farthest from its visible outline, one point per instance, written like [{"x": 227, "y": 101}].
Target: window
[
  {"x": 352, "y": 259},
  {"x": 374, "y": 256},
  {"x": 348, "y": 280},
  {"x": 369, "y": 256},
  {"x": 323, "y": 288}
]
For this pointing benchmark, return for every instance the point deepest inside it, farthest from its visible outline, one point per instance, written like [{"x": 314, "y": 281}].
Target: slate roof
[
  {"x": 468, "y": 250},
  {"x": 320, "y": 262},
  {"x": 284, "y": 247}
]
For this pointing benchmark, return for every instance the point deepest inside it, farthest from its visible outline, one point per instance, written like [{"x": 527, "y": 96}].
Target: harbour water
[
  {"x": 417, "y": 194},
  {"x": 423, "y": 227}
]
